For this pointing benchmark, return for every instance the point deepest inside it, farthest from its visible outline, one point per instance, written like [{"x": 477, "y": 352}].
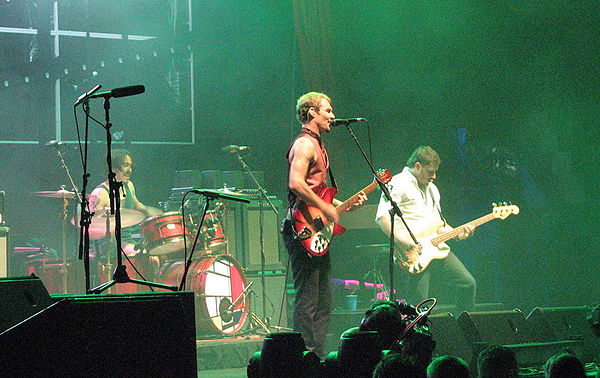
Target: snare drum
[
  {"x": 218, "y": 281},
  {"x": 163, "y": 234}
]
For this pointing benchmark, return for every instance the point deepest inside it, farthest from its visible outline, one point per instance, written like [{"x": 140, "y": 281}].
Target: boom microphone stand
[
  {"x": 394, "y": 211},
  {"x": 120, "y": 273}
]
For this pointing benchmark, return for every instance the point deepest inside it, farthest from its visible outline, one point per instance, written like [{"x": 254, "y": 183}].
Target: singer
[{"x": 308, "y": 170}]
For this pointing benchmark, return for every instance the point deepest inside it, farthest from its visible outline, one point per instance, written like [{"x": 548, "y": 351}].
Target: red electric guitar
[{"x": 312, "y": 227}]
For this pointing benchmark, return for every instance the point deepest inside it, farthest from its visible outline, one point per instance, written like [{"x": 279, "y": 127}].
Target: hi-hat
[{"x": 62, "y": 193}]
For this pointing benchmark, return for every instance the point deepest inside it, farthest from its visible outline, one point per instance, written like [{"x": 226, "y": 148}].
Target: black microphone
[
  {"x": 120, "y": 92},
  {"x": 346, "y": 121},
  {"x": 233, "y": 148},
  {"x": 87, "y": 94},
  {"x": 54, "y": 143}
]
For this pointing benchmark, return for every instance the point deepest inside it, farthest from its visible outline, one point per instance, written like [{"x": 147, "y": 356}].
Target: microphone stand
[
  {"x": 394, "y": 211},
  {"x": 209, "y": 195},
  {"x": 120, "y": 273},
  {"x": 262, "y": 196},
  {"x": 85, "y": 216},
  {"x": 64, "y": 215}
]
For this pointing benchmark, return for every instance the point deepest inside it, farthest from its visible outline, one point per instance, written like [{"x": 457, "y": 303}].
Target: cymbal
[{"x": 62, "y": 193}]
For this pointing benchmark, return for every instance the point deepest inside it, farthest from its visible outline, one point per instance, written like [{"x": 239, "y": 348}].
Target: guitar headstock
[
  {"x": 384, "y": 175},
  {"x": 504, "y": 209}
]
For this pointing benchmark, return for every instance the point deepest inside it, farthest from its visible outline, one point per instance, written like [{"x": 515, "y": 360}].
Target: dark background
[{"x": 506, "y": 93}]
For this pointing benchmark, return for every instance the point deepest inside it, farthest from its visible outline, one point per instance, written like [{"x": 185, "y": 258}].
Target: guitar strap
[{"x": 437, "y": 206}]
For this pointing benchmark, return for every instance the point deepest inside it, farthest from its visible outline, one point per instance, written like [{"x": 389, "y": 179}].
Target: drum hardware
[
  {"x": 262, "y": 197},
  {"x": 65, "y": 195},
  {"x": 375, "y": 252}
]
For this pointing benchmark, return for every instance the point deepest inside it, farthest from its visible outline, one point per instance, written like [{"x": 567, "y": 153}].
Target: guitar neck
[
  {"x": 350, "y": 201},
  {"x": 458, "y": 230}
]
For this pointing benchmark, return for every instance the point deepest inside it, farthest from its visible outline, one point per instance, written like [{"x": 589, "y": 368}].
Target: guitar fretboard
[
  {"x": 350, "y": 201},
  {"x": 454, "y": 233}
]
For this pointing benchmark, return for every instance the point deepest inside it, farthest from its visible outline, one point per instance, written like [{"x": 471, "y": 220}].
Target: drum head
[{"x": 222, "y": 307}]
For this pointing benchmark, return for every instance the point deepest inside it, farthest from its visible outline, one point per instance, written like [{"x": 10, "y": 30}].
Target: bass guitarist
[
  {"x": 419, "y": 200},
  {"x": 308, "y": 165}
]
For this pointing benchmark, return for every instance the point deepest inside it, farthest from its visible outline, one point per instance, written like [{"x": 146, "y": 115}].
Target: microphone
[
  {"x": 120, "y": 92},
  {"x": 54, "y": 143},
  {"x": 346, "y": 121},
  {"x": 233, "y": 148},
  {"x": 87, "y": 94}
]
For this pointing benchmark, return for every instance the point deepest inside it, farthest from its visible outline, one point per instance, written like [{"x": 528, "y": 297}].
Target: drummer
[{"x": 122, "y": 163}]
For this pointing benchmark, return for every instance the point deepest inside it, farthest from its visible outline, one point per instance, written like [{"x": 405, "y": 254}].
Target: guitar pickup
[
  {"x": 306, "y": 233},
  {"x": 318, "y": 223}
]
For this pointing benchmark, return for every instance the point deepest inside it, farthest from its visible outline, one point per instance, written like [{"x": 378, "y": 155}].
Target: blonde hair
[{"x": 307, "y": 101}]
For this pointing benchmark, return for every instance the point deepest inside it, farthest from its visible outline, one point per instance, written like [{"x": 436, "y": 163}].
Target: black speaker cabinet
[
  {"x": 241, "y": 227},
  {"x": 4, "y": 268},
  {"x": 21, "y": 297},
  {"x": 496, "y": 327},
  {"x": 510, "y": 328},
  {"x": 448, "y": 337},
  {"x": 567, "y": 323},
  {"x": 147, "y": 334}
]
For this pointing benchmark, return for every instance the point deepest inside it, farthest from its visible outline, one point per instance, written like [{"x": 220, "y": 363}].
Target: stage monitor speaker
[
  {"x": 510, "y": 329},
  {"x": 20, "y": 298},
  {"x": 567, "y": 323},
  {"x": 448, "y": 337},
  {"x": 274, "y": 289},
  {"x": 4, "y": 267},
  {"x": 496, "y": 327},
  {"x": 242, "y": 230},
  {"x": 147, "y": 334}
]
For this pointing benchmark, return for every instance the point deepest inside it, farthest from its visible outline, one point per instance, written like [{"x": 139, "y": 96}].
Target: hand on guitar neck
[{"x": 466, "y": 231}]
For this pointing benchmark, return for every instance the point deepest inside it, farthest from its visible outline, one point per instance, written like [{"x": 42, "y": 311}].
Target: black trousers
[
  {"x": 452, "y": 274},
  {"x": 312, "y": 306}
]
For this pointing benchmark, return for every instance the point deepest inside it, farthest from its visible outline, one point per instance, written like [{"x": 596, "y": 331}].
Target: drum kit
[{"x": 217, "y": 278}]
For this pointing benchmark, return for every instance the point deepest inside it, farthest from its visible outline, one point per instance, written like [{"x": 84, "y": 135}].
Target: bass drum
[{"x": 218, "y": 281}]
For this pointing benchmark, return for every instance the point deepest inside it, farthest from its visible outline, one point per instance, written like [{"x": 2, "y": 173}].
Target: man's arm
[
  {"x": 301, "y": 155},
  {"x": 137, "y": 205}
]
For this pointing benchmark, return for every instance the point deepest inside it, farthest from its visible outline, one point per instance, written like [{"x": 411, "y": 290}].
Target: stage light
[
  {"x": 283, "y": 355},
  {"x": 357, "y": 354}
]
